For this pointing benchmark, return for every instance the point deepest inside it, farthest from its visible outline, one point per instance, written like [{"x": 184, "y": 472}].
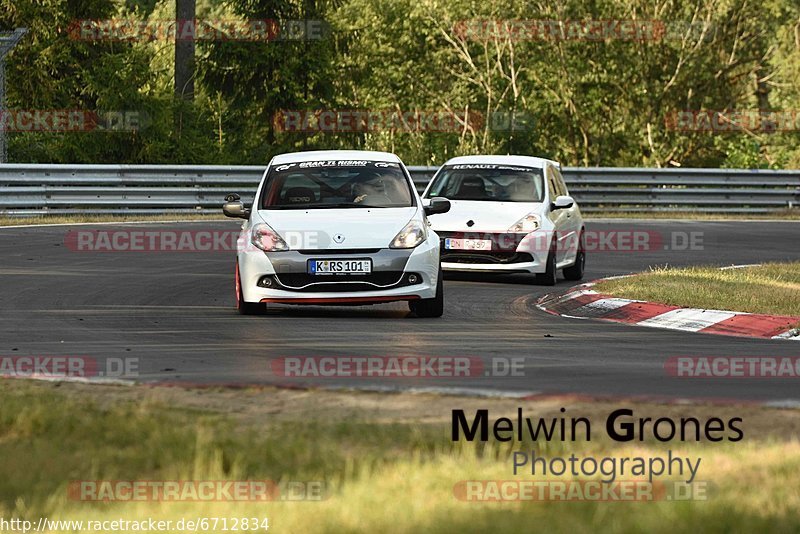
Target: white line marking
[
  {"x": 730, "y": 267},
  {"x": 793, "y": 335},
  {"x": 689, "y": 319},
  {"x": 78, "y": 380},
  {"x": 464, "y": 391},
  {"x": 616, "y": 277},
  {"x": 784, "y": 403}
]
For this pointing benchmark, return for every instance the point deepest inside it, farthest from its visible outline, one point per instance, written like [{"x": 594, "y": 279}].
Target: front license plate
[
  {"x": 359, "y": 266},
  {"x": 467, "y": 244}
]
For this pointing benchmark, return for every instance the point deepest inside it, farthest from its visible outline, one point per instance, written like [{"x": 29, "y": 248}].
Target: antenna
[{"x": 8, "y": 40}]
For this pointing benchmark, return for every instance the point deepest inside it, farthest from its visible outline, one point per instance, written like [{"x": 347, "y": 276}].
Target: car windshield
[
  {"x": 336, "y": 184},
  {"x": 499, "y": 183}
]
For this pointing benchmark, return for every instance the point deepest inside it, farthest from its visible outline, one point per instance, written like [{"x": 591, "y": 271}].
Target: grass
[
  {"x": 772, "y": 288},
  {"x": 387, "y": 461}
]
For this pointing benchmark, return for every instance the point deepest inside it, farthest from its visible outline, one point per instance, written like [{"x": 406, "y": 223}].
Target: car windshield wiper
[
  {"x": 338, "y": 205},
  {"x": 351, "y": 205}
]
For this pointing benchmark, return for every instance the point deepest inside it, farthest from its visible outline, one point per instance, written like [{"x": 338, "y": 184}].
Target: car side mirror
[
  {"x": 234, "y": 207},
  {"x": 437, "y": 205},
  {"x": 563, "y": 202}
]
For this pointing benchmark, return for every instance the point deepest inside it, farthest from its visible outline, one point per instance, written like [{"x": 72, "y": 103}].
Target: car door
[
  {"x": 572, "y": 222},
  {"x": 559, "y": 218}
]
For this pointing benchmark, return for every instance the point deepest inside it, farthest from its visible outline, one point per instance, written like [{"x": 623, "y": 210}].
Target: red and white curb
[{"x": 581, "y": 302}]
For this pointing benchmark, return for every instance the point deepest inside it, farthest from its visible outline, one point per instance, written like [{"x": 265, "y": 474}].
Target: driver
[
  {"x": 524, "y": 189},
  {"x": 371, "y": 190}
]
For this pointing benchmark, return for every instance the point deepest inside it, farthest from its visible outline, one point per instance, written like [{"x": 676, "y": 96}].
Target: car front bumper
[
  {"x": 282, "y": 277},
  {"x": 510, "y": 253}
]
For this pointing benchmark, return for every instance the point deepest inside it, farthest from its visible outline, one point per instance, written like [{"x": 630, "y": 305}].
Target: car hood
[
  {"x": 331, "y": 229},
  {"x": 486, "y": 216}
]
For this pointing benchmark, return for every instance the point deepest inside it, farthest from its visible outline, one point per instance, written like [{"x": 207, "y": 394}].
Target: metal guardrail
[{"x": 36, "y": 189}]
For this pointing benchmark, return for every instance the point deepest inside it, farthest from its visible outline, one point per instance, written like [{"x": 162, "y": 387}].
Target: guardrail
[{"x": 36, "y": 189}]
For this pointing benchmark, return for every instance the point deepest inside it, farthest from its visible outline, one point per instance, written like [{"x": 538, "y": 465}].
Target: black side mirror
[{"x": 437, "y": 205}]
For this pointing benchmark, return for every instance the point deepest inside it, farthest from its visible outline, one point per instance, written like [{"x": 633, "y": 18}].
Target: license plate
[
  {"x": 359, "y": 266},
  {"x": 467, "y": 244}
]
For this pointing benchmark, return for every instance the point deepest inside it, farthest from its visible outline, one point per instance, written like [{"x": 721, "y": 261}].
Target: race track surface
[{"x": 174, "y": 312}]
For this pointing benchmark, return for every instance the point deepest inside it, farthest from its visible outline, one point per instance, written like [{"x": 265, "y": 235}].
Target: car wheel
[
  {"x": 576, "y": 271},
  {"x": 430, "y": 307},
  {"x": 246, "y": 308},
  {"x": 550, "y": 276}
]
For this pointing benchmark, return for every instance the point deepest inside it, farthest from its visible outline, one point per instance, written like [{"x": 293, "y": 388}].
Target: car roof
[
  {"x": 318, "y": 155},
  {"x": 523, "y": 161}
]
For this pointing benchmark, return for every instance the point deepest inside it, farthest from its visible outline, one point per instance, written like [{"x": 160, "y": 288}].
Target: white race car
[
  {"x": 509, "y": 214},
  {"x": 337, "y": 227}
]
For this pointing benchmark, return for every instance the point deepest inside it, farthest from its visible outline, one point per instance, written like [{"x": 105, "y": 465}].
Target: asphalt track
[{"x": 174, "y": 312}]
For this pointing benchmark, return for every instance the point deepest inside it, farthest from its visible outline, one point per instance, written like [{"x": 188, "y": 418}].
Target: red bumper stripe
[{"x": 335, "y": 300}]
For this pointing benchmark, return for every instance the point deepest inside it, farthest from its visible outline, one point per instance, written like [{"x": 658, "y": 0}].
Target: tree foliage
[{"x": 582, "y": 101}]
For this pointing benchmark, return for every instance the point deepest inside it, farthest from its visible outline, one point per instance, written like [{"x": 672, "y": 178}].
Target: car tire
[
  {"x": 244, "y": 307},
  {"x": 550, "y": 276},
  {"x": 575, "y": 272},
  {"x": 430, "y": 307}
]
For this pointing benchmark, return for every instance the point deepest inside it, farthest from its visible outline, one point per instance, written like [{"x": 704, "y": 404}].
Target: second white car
[{"x": 509, "y": 214}]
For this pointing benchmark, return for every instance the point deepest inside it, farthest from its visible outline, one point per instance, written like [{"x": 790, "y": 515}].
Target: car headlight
[
  {"x": 410, "y": 236},
  {"x": 529, "y": 223},
  {"x": 267, "y": 239}
]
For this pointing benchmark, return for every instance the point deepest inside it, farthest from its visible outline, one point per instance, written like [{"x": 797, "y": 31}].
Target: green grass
[
  {"x": 772, "y": 288},
  {"x": 383, "y": 474}
]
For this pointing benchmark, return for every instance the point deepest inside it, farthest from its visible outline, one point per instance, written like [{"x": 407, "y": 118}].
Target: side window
[
  {"x": 552, "y": 185},
  {"x": 562, "y": 186}
]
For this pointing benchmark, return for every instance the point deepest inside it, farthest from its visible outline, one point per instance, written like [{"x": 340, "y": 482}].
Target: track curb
[{"x": 582, "y": 302}]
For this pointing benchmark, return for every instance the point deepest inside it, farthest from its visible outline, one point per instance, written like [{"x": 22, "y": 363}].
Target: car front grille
[
  {"x": 504, "y": 249},
  {"x": 309, "y": 283},
  {"x": 478, "y": 257}
]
